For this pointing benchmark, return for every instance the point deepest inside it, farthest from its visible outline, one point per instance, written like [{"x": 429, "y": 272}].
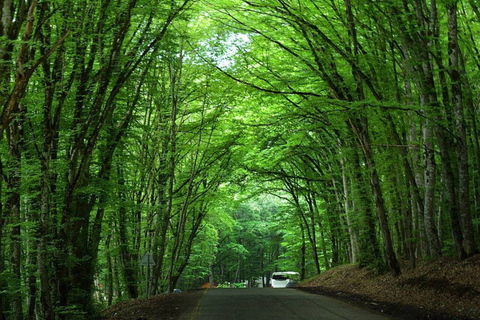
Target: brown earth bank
[
  {"x": 161, "y": 307},
  {"x": 441, "y": 289}
]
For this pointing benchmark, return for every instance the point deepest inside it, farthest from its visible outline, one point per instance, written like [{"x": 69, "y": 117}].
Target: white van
[{"x": 284, "y": 279}]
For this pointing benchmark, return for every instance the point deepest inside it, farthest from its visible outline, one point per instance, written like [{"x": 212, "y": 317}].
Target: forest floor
[{"x": 442, "y": 289}]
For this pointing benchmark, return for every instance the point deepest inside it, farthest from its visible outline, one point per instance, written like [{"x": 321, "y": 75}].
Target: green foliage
[{"x": 239, "y": 137}]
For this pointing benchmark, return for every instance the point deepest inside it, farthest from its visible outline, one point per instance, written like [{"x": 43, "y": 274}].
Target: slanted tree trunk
[
  {"x": 352, "y": 228},
  {"x": 309, "y": 227},
  {"x": 360, "y": 128},
  {"x": 369, "y": 247},
  {"x": 419, "y": 47}
]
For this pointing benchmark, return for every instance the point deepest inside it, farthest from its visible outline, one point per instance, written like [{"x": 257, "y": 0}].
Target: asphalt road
[{"x": 274, "y": 304}]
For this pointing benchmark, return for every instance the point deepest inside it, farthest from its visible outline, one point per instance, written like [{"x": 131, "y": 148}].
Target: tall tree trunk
[
  {"x": 360, "y": 128},
  {"x": 31, "y": 266},
  {"x": 475, "y": 142},
  {"x": 352, "y": 228},
  {"x": 166, "y": 177},
  {"x": 310, "y": 228},
  {"x": 430, "y": 181},
  {"x": 12, "y": 205},
  {"x": 369, "y": 247},
  {"x": 462, "y": 149},
  {"x": 12, "y": 20},
  {"x": 109, "y": 281},
  {"x": 3, "y": 283},
  {"x": 127, "y": 257},
  {"x": 445, "y": 142},
  {"x": 303, "y": 250},
  {"x": 45, "y": 236},
  {"x": 195, "y": 227},
  {"x": 409, "y": 227},
  {"x": 311, "y": 224},
  {"x": 419, "y": 47}
]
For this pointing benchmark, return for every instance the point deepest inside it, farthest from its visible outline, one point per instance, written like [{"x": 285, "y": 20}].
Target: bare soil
[
  {"x": 161, "y": 307},
  {"x": 442, "y": 289}
]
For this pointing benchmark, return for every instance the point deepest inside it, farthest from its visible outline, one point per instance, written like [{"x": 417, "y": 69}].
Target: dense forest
[{"x": 229, "y": 139}]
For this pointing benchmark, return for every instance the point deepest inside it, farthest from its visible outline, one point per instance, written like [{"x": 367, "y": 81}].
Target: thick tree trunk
[
  {"x": 462, "y": 150},
  {"x": 369, "y": 248},
  {"x": 360, "y": 128}
]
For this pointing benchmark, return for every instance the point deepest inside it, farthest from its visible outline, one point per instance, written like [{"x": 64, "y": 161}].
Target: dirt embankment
[{"x": 442, "y": 289}]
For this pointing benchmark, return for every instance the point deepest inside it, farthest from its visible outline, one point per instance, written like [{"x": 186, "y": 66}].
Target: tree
[
  {"x": 133, "y": 126},
  {"x": 327, "y": 47},
  {"x": 80, "y": 89}
]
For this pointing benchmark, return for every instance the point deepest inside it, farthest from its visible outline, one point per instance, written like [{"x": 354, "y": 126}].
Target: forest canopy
[{"x": 229, "y": 139}]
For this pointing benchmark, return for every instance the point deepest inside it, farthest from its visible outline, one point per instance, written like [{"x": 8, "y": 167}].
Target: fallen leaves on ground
[
  {"x": 441, "y": 289},
  {"x": 169, "y": 306}
]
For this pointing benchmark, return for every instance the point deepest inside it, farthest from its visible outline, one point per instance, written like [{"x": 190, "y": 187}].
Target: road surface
[{"x": 274, "y": 304}]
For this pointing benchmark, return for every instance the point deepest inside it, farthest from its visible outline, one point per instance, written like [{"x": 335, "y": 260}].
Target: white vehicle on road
[{"x": 284, "y": 279}]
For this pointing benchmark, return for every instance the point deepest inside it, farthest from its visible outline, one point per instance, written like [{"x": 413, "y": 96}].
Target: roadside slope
[{"x": 442, "y": 289}]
